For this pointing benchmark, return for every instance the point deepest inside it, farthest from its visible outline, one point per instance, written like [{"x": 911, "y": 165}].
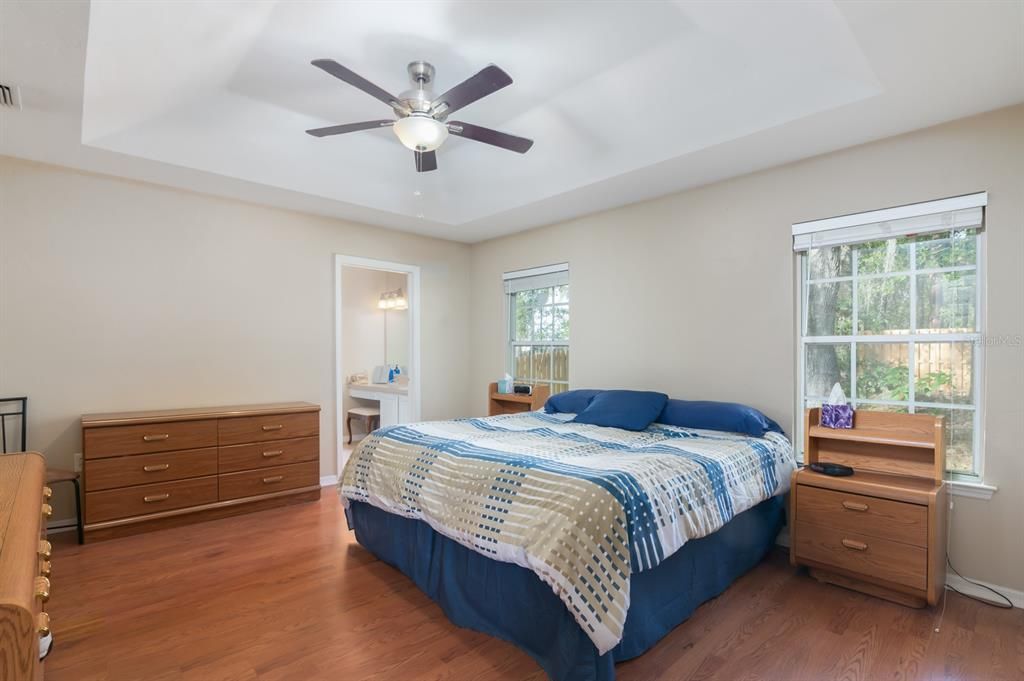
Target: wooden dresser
[
  {"x": 24, "y": 565},
  {"x": 151, "y": 469},
  {"x": 882, "y": 530}
]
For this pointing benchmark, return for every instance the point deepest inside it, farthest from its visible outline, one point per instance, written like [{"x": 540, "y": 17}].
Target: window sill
[{"x": 973, "y": 490}]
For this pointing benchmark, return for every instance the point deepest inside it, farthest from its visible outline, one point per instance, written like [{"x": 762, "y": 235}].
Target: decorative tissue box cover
[{"x": 837, "y": 416}]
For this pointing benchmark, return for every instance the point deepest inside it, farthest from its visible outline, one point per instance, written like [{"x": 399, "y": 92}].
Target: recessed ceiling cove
[{"x": 227, "y": 88}]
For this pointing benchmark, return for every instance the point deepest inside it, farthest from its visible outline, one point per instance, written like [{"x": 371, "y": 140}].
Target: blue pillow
[
  {"x": 727, "y": 416},
  {"x": 570, "y": 402},
  {"x": 626, "y": 409}
]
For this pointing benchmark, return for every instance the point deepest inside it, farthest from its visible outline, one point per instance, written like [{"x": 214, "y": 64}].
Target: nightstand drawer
[
  {"x": 880, "y": 558},
  {"x": 893, "y": 520}
]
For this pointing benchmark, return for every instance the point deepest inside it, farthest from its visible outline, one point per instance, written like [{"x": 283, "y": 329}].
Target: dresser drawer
[
  {"x": 244, "y": 430},
  {"x": 267, "y": 480},
  {"x": 261, "y": 455},
  {"x": 873, "y": 557},
  {"x": 142, "y": 469},
  {"x": 895, "y": 520},
  {"x": 143, "y": 499},
  {"x": 100, "y": 443}
]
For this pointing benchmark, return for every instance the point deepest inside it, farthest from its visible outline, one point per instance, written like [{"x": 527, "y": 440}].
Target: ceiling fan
[{"x": 422, "y": 122}]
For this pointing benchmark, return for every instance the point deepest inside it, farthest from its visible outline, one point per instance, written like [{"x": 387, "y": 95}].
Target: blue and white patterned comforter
[{"x": 582, "y": 506}]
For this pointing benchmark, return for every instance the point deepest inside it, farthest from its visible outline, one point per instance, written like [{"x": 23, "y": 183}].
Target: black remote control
[{"x": 834, "y": 469}]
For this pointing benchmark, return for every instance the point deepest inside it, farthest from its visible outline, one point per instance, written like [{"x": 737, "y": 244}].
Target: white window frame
[
  {"x": 511, "y": 344},
  {"x": 976, "y": 337}
]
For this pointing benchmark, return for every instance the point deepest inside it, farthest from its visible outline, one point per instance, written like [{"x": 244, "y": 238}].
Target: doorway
[{"x": 377, "y": 347}]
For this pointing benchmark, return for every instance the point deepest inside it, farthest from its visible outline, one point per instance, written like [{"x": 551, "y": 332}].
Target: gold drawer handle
[
  {"x": 45, "y": 549},
  {"x": 47, "y": 493},
  {"x": 854, "y": 506},
  {"x": 273, "y": 478},
  {"x": 45, "y": 568},
  {"x": 43, "y": 589},
  {"x": 271, "y": 454},
  {"x": 266, "y": 428},
  {"x": 156, "y": 497},
  {"x": 153, "y": 468},
  {"x": 43, "y": 624},
  {"x": 155, "y": 438},
  {"x": 47, "y": 510},
  {"x": 855, "y": 545}
]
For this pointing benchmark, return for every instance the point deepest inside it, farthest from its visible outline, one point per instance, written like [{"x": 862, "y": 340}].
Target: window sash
[{"x": 912, "y": 338}]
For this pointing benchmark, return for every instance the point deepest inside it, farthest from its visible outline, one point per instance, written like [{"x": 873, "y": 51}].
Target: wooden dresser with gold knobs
[
  {"x": 146, "y": 470},
  {"x": 24, "y": 565}
]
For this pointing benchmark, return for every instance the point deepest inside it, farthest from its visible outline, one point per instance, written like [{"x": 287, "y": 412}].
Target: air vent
[{"x": 10, "y": 97}]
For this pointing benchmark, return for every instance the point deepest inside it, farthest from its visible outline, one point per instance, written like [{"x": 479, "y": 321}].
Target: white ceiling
[{"x": 625, "y": 100}]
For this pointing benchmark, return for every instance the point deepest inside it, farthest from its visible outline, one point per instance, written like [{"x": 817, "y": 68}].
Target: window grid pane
[
  {"x": 895, "y": 322},
  {"x": 539, "y": 337}
]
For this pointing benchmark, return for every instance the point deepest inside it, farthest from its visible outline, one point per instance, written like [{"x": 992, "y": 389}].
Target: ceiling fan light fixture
[{"x": 420, "y": 132}]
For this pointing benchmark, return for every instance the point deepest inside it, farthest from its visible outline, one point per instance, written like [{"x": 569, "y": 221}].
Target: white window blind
[
  {"x": 944, "y": 215},
  {"x": 536, "y": 278}
]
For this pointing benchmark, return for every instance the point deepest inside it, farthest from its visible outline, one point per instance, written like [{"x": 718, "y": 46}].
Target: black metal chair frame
[{"x": 23, "y": 413}]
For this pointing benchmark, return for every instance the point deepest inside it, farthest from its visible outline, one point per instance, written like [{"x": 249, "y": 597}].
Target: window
[
  {"x": 538, "y": 326},
  {"x": 896, "y": 321}
]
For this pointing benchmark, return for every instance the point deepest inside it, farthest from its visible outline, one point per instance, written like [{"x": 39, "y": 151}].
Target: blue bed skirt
[{"x": 512, "y": 603}]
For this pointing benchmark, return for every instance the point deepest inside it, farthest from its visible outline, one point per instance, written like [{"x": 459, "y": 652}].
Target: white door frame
[{"x": 415, "y": 375}]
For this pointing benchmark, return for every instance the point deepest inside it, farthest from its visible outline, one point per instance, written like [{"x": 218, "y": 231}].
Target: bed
[{"x": 581, "y": 544}]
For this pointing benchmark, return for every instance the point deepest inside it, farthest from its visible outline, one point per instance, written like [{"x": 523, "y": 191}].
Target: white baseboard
[
  {"x": 961, "y": 584},
  {"x": 329, "y": 481}
]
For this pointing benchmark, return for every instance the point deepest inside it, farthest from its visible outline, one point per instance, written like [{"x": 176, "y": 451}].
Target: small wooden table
[
  {"x": 513, "y": 403},
  {"x": 881, "y": 531}
]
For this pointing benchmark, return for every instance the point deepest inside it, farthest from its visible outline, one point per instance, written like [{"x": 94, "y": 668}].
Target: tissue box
[
  {"x": 837, "y": 416},
  {"x": 505, "y": 386}
]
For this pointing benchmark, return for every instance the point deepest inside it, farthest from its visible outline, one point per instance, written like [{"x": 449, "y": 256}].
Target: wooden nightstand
[
  {"x": 882, "y": 530},
  {"x": 514, "y": 403}
]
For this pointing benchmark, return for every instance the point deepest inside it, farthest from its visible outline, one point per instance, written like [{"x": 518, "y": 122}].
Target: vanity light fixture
[{"x": 393, "y": 300}]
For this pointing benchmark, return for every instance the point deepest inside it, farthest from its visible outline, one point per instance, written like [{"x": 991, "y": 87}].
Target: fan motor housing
[{"x": 421, "y": 95}]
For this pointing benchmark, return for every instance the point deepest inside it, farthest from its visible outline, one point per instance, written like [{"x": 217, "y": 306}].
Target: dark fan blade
[
  {"x": 348, "y": 127},
  {"x": 487, "y": 136},
  {"x": 491, "y": 79},
  {"x": 352, "y": 78},
  {"x": 425, "y": 161}
]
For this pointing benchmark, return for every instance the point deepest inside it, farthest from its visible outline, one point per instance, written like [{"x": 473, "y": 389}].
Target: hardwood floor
[{"x": 287, "y": 594}]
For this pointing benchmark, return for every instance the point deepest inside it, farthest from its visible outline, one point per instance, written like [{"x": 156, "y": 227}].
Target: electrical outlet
[{"x": 78, "y": 462}]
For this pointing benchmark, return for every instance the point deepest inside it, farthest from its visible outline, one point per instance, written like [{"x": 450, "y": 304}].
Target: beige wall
[
  {"x": 123, "y": 295},
  {"x": 693, "y": 294}
]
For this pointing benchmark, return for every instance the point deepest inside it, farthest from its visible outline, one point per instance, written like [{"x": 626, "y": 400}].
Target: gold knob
[
  {"x": 156, "y": 497},
  {"x": 272, "y": 478},
  {"x": 272, "y": 453},
  {"x": 156, "y": 467},
  {"x": 44, "y": 568},
  {"x": 43, "y": 589},
  {"x": 277, "y": 427},
  {"x": 43, "y": 626},
  {"x": 155, "y": 438},
  {"x": 47, "y": 510},
  {"x": 47, "y": 492},
  {"x": 45, "y": 549}
]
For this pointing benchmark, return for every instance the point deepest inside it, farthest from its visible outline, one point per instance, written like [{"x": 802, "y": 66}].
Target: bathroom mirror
[{"x": 396, "y": 327}]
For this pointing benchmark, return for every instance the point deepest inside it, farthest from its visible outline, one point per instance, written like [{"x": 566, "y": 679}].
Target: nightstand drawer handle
[
  {"x": 155, "y": 438},
  {"x": 154, "y": 468},
  {"x": 265, "y": 428},
  {"x": 855, "y": 545},
  {"x": 273, "y": 453},
  {"x": 854, "y": 506},
  {"x": 156, "y": 497},
  {"x": 273, "y": 478}
]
